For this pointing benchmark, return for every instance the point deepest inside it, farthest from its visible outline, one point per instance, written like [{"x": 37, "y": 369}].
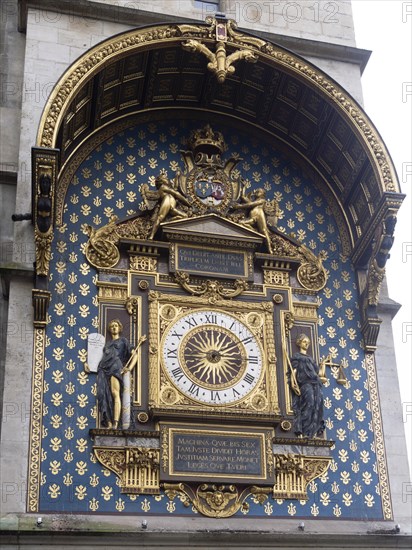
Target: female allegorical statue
[
  {"x": 118, "y": 359},
  {"x": 307, "y": 399}
]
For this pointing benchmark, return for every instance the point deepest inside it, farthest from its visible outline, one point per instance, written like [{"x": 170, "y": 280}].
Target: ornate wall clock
[
  {"x": 220, "y": 357},
  {"x": 212, "y": 357}
]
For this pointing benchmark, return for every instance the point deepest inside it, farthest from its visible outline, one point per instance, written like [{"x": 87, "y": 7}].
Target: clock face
[{"x": 212, "y": 357}]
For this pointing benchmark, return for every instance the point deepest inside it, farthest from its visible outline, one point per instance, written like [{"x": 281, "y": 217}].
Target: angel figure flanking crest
[
  {"x": 261, "y": 212},
  {"x": 164, "y": 201}
]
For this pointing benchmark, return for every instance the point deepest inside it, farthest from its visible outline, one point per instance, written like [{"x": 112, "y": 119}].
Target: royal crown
[{"x": 207, "y": 140}]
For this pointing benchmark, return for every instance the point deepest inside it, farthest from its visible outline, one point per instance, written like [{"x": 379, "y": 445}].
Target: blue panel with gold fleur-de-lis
[{"x": 108, "y": 182}]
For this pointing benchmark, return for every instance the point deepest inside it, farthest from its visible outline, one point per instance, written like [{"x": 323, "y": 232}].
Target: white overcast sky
[{"x": 385, "y": 27}]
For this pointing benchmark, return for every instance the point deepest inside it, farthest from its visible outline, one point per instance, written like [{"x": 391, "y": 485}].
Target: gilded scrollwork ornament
[
  {"x": 131, "y": 305},
  {"x": 101, "y": 250},
  {"x": 137, "y": 228},
  {"x": 288, "y": 322},
  {"x": 218, "y": 501},
  {"x": 288, "y": 463},
  {"x": 211, "y": 500},
  {"x": 311, "y": 273},
  {"x": 283, "y": 247},
  {"x": 112, "y": 459},
  {"x": 142, "y": 457},
  {"x": 219, "y": 62}
]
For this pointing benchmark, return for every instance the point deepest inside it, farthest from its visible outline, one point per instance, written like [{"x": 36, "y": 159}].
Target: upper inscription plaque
[{"x": 208, "y": 261}]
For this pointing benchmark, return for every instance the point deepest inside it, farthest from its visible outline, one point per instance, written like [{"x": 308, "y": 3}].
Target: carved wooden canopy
[{"x": 153, "y": 70}]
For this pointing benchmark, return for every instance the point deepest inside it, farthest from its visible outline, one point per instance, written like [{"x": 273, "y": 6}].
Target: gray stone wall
[
  {"x": 11, "y": 79},
  {"x": 325, "y": 21},
  {"x": 392, "y": 414}
]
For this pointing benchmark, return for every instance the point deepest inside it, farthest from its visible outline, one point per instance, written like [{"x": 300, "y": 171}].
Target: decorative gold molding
[
  {"x": 306, "y": 311},
  {"x": 36, "y": 420},
  {"x": 132, "y": 304},
  {"x": 276, "y": 278},
  {"x": 144, "y": 264},
  {"x": 311, "y": 274},
  {"x": 213, "y": 500},
  {"x": 136, "y": 467},
  {"x": 293, "y": 475},
  {"x": 220, "y": 63},
  {"x": 112, "y": 291},
  {"x": 43, "y": 243},
  {"x": 379, "y": 436}
]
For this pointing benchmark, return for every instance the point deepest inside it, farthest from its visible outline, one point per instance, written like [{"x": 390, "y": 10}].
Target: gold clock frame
[{"x": 260, "y": 404}]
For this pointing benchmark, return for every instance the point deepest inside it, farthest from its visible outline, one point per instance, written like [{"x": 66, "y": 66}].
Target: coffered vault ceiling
[{"x": 147, "y": 70}]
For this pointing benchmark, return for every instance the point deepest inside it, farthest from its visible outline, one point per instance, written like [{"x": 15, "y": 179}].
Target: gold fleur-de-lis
[
  {"x": 107, "y": 492},
  {"x": 146, "y": 505},
  {"x": 94, "y": 505},
  {"x": 68, "y": 456},
  {"x": 54, "y": 491},
  {"x": 55, "y": 467},
  {"x": 120, "y": 505},
  {"x": 80, "y": 492},
  {"x": 94, "y": 480},
  {"x": 67, "y": 479}
]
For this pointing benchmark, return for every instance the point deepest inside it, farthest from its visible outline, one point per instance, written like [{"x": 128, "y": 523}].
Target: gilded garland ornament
[
  {"x": 211, "y": 288},
  {"x": 211, "y": 500}
]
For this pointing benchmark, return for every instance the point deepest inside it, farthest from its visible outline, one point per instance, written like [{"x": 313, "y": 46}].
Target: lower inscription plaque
[{"x": 217, "y": 454}]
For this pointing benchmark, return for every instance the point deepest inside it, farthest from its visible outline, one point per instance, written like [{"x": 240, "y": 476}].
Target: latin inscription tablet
[{"x": 218, "y": 454}]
